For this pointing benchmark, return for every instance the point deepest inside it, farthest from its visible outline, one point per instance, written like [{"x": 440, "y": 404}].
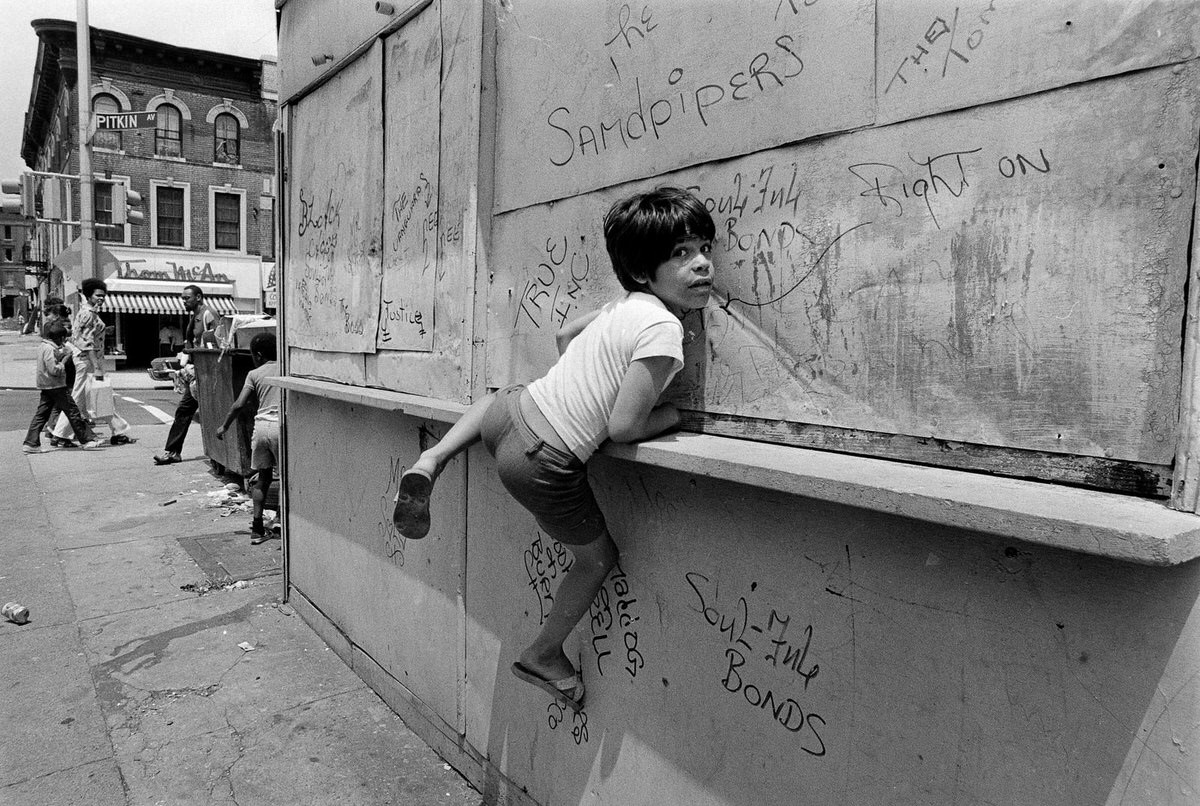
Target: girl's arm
[
  {"x": 635, "y": 415},
  {"x": 235, "y": 410},
  {"x": 573, "y": 329}
]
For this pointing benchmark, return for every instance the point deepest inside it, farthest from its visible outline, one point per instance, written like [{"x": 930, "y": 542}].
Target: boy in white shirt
[{"x": 614, "y": 364}]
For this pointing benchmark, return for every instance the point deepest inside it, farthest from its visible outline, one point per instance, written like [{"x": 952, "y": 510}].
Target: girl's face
[{"x": 684, "y": 280}]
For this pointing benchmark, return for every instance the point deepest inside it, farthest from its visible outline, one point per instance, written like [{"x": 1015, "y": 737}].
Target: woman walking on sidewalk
[{"x": 87, "y": 339}]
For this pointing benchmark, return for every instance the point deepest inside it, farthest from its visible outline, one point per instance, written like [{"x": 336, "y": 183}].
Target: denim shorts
[{"x": 549, "y": 482}]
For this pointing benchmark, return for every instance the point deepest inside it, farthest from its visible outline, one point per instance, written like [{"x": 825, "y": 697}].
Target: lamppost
[{"x": 83, "y": 81}]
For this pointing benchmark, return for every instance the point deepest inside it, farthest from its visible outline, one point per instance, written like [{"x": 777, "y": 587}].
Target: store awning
[{"x": 165, "y": 304}]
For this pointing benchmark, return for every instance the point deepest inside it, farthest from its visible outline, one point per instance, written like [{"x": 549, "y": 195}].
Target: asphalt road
[{"x": 138, "y": 406}]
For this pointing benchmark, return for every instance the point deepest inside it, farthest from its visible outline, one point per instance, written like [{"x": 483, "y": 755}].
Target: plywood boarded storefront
[{"x": 953, "y": 249}]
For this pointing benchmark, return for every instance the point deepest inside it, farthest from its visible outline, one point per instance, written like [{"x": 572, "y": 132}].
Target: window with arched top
[
  {"x": 104, "y": 104},
  {"x": 168, "y": 132},
  {"x": 226, "y": 139}
]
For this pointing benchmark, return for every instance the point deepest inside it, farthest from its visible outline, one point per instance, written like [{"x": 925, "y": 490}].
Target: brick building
[
  {"x": 14, "y": 234},
  {"x": 205, "y": 172}
]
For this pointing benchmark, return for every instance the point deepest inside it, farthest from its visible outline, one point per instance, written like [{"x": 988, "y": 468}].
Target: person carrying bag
[{"x": 87, "y": 345}]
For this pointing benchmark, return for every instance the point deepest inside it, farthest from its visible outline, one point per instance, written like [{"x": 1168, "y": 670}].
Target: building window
[
  {"x": 103, "y": 211},
  {"x": 226, "y": 139},
  {"x": 7, "y": 232},
  {"x": 106, "y": 138},
  {"x": 8, "y": 255},
  {"x": 169, "y": 214},
  {"x": 168, "y": 133},
  {"x": 227, "y": 221}
]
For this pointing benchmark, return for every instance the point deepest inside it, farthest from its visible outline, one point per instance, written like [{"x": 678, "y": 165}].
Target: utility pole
[{"x": 83, "y": 81}]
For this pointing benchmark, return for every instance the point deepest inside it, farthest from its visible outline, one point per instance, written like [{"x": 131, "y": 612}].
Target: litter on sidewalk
[{"x": 16, "y": 613}]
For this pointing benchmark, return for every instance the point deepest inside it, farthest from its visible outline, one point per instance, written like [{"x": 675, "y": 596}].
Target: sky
[{"x": 239, "y": 27}]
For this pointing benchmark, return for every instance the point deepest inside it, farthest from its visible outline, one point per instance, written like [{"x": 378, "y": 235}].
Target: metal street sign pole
[{"x": 83, "y": 83}]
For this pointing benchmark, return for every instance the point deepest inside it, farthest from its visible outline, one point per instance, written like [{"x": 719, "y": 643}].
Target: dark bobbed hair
[
  {"x": 55, "y": 331},
  {"x": 91, "y": 285},
  {"x": 640, "y": 231},
  {"x": 264, "y": 345},
  {"x": 196, "y": 290},
  {"x": 60, "y": 310},
  {"x": 51, "y": 302}
]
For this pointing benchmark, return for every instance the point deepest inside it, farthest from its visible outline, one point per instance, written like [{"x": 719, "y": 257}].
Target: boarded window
[{"x": 977, "y": 258}]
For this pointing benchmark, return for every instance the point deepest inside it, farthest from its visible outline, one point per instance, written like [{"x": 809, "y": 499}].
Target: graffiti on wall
[{"x": 764, "y": 655}]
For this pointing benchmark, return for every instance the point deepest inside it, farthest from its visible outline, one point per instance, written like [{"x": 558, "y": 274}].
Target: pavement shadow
[{"x": 225, "y": 558}]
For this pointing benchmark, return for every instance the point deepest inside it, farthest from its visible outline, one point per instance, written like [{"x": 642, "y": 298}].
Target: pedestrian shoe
[
  {"x": 167, "y": 458},
  {"x": 257, "y": 533},
  {"x": 31, "y": 448},
  {"x": 62, "y": 442},
  {"x": 120, "y": 439},
  {"x": 91, "y": 446}
]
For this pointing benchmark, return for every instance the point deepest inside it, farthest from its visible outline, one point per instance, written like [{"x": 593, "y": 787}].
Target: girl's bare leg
[
  {"x": 574, "y": 596},
  {"x": 462, "y": 435},
  {"x": 411, "y": 515}
]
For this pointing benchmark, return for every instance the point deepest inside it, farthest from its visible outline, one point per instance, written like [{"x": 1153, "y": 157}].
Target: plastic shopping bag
[{"x": 100, "y": 399}]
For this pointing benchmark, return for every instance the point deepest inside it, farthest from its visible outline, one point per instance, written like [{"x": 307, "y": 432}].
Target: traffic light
[
  {"x": 18, "y": 195},
  {"x": 126, "y": 204},
  {"x": 55, "y": 203}
]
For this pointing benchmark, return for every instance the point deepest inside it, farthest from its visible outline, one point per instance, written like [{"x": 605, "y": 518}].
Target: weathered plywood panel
[
  {"x": 612, "y": 92},
  {"x": 335, "y": 198},
  {"x": 348, "y": 368},
  {"x": 1010, "y": 275},
  {"x": 413, "y": 63},
  {"x": 826, "y": 655},
  {"x": 450, "y": 228},
  {"x": 935, "y": 56},
  {"x": 334, "y": 28},
  {"x": 397, "y": 599}
]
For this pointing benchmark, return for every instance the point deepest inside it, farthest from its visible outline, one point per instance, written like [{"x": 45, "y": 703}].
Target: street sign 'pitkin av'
[{"x": 127, "y": 120}]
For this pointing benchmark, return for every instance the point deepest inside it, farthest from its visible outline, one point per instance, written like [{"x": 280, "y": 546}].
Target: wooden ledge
[
  {"x": 428, "y": 408},
  {"x": 1120, "y": 527}
]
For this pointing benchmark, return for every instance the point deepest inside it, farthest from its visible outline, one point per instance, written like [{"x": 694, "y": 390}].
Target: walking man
[{"x": 201, "y": 320}]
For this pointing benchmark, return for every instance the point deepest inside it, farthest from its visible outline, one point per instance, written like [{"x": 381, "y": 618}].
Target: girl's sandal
[
  {"x": 411, "y": 516},
  {"x": 569, "y": 691}
]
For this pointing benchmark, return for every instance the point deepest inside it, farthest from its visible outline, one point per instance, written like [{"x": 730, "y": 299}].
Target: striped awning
[{"x": 165, "y": 304}]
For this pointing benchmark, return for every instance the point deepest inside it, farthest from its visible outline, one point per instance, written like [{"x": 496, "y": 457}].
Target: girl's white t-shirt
[{"x": 577, "y": 395}]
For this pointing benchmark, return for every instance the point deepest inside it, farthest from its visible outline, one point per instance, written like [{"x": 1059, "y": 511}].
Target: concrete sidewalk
[{"x": 146, "y": 676}]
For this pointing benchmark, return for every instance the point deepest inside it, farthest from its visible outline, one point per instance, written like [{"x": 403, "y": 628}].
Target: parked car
[{"x": 163, "y": 369}]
